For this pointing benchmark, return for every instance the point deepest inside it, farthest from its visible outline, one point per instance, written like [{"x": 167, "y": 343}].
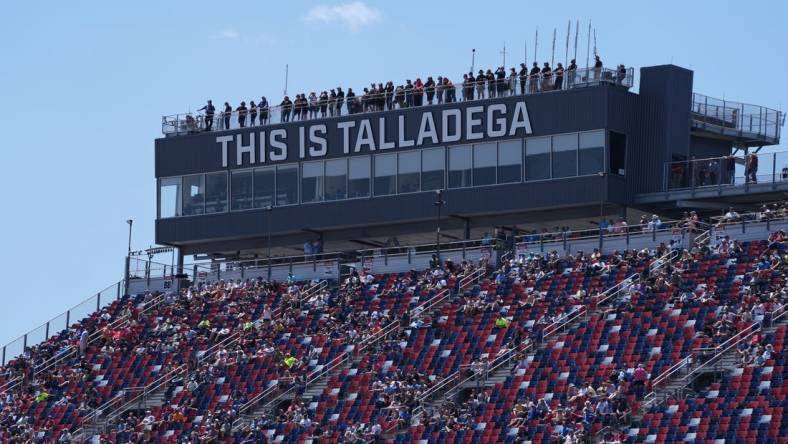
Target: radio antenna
[{"x": 287, "y": 72}]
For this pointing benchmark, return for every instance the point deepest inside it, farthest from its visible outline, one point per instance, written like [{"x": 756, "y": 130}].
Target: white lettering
[
  {"x": 382, "y": 144},
  {"x": 262, "y": 156},
  {"x": 432, "y": 133},
  {"x": 224, "y": 140},
  {"x": 470, "y": 122},
  {"x": 281, "y": 147},
  {"x": 240, "y": 149},
  {"x": 345, "y": 127},
  {"x": 446, "y": 137},
  {"x": 301, "y": 143},
  {"x": 365, "y": 136},
  {"x": 320, "y": 141},
  {"x": 403, "y": 143},
  {"x": 520, "y": 119},
  {"x": 501, "y": 121}
]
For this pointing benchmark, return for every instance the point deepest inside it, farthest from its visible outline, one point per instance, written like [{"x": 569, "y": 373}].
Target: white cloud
[
  {"x": 352, "y": 15},
  {"x": 227, "y": 34}
]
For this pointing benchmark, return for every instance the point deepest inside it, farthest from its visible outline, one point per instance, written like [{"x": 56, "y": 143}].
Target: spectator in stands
[{"x": 731, "y": 216}]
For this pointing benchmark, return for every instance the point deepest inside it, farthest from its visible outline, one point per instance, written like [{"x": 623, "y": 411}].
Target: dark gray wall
[{"x": 702, "y": 147}]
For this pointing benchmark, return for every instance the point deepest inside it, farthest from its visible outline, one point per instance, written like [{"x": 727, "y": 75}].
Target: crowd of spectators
[{"x": 413, "y": 93}]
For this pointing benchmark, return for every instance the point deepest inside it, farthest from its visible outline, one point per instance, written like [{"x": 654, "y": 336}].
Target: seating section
[{"x": 222, "y": 351}]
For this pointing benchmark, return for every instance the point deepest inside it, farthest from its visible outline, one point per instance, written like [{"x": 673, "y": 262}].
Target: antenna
[
  {"x": 503, "y": 53},
  {"x": 536, "y": 44},
  {"x": 568, "y": 33},
  {"x": 588, "y": 46},
  {"x": 595, "y": 53},
  {"x": 552, "y": 57},
  {"x": 525, "y": 53},
  {"x": 577, "y": 33},
  {"x": 287, "y": 72},
  {"x": 473, "y": 58}
]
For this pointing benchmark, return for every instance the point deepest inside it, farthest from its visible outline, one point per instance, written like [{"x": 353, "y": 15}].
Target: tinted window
[
  {"x": 565, "y": 155},
  {"x": 618, "y": 153},
  {"x": 485, "y": 160},
  {"x": 311, "y": 182},
  {"x": 460, "y": 166},
  {"x": 241, "y": 190},
  {"x": 170, "y": 197},
  {"x": 537, "y": 158},
  {"x": 216, "y": 192},
  {"x": 264, "y": 180},
  {"x": 385, "y": 174},
  {"x": 409, "y": 172},
  {"x": 193, "y": 194},
  {"x": 510, "y": 159},
  {"x": 358, "y": 183},
  {"x": 433, "y": 169},
  {"x": 287, "y": 185},
  {"x": 336, "y": 179},
  {"x": 591, "y": 155}
]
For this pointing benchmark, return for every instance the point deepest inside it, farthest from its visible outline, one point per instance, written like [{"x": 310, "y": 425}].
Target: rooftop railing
[
  {"x": 736, "y": 119},
  {"x": 726, "y": 171},
  {"x": 192, "y": 123}
]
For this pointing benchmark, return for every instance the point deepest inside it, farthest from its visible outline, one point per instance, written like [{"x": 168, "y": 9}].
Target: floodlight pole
[{"x": 439, "y": 202}]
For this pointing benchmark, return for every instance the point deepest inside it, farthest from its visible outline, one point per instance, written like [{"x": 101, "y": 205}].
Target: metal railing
[
  {"x": 191, "y": 123},
  {"x": 726, "y": 171},
  {"x": 736, "y": 119},
  {"x": 701, "y": 359}
]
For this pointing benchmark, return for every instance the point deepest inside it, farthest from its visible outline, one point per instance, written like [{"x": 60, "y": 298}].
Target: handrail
[
  {"x": 668, "y": 225},
  {"x": 190, "y": 123}
]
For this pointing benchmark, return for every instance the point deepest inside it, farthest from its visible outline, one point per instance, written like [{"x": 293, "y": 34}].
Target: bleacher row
[{"x": 229, "y": 349}]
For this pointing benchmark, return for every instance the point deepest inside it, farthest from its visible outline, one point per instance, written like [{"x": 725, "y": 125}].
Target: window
[
  {"x": 565, "y": 155},
  {"x": 618, "y": 153},
  {"x": 264, "y": 190},
  {"x": 385, "y": 174},
  {"x": 193, "y": 195},
  {"x": 433, "y": 169},
  {"x": 537, "y": 158},
  {"x": 484, "y": 164},
  {"x": 591, "y": 155},
  {"x": 241, "y": 190},
  {"x": 460, "y": 164},
  {"x": 287, "y": 185},
  {"x": 336, "y": 179},
  {"x": 216, "y": 192},
  {"x": 311, "y": 182},
  {"x": 409, "y": 172},
  {"x": 358, "y": 178},
  {"x": 169, "y": 197},
  {"x": 510, "y": 160}
]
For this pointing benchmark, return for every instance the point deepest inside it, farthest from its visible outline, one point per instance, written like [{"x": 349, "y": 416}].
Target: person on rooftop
[
  {"x": 286, "y": 106},
  {"x": 340, "y": 100},
  {"x": 242, "y": 111},
  {"x": 523, "y": 77},
  {"x": 480, "y": 84},
  {"x": 209, "y": 111},
  {"x": 429, "y": 88},
  {"x": 597, "y": 67},
  {"x": 418, "y": 92},
  {"x": 491, "y": 90},
  {"x": 533, "y": 79},
  {"x": 262, "y": 105},
  {"x": 559, "y": 76},
  {"x": 547, "y": 74},
  {"x": 228, "y": 111},
  {"x": 570, "y": 72},
  {"x": 500, "y": 81}
]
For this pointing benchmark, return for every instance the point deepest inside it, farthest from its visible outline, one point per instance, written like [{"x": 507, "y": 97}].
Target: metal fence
[
  {"x": 726, "y": 171},
  {"x": 191, "y": 123},
  {"x": 736, "y": 119}
]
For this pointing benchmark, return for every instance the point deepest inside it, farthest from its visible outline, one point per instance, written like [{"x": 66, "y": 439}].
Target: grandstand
[{"x": 579, "y": 285}]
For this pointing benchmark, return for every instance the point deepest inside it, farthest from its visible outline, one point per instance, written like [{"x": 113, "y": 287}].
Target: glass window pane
[
  {"x": 484, "y": 164},
  {"x": 311, "y": 182},
  {"x": 193, "y": 194},
  {"x": 241, "y": 190},
  {"x": 433, "y": 169},
  {"x": 537, "y": 158},
  {"x": 358, "y": 178},
  {"x": 592, "y": 152},
  {"x": 409, "y": 172},
  {"x": 216, "y": 192},
  {"x": 385, "y": 174},
  {"x": 460, "y": 166},
  {"x": 169, "y": 197},
  {"x": 264, "y": 181},
  {"x": 565, "y": 155},
  {"x": 287, "y": 185},
  {"x": 510, "y": 159},
  {"x": 336, "y": 179}
]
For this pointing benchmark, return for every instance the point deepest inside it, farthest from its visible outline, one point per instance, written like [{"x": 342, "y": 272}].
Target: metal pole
[
  {"x": 130, "y": 222},
  {"x": 269, "y": 210},
  {"x": 473, "y": 58},
  {"x": 438, "y": 203},
  {"x": 588, "y": 48}
]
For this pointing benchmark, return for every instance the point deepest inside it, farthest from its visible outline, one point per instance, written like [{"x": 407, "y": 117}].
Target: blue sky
[{"x": 84, "y": 86}]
